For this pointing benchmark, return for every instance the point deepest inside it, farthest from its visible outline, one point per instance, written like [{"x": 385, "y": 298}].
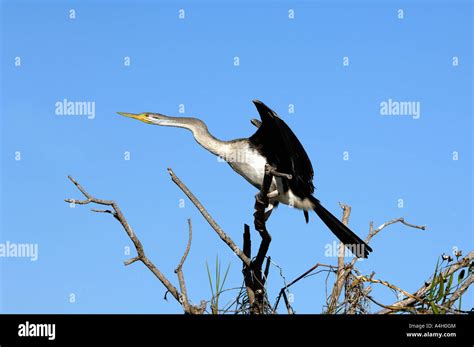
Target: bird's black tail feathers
[{"x": 357, "y": 246}]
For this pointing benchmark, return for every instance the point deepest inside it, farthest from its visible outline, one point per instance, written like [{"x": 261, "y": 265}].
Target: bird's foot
[{"x": 270, "y": 170}]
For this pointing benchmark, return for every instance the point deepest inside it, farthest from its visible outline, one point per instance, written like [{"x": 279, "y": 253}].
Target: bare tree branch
[
  {"x": 460, "y": 291},
  {"x": 247, "y": 271},
  {"x": 393, "y": 221},
  {"x": 188, "y": 247},
  {"x": 179, "y": 271},
  {"x": 373, "y": 232},
  {"x": 347, "y": 276},
  {"x": 341, "y": 273},
  {"x": 117, "y": 213},
  {"x": 209, "y": 219},
  {"x": 386, "y": 284},
  {"x": 260, "y": 218},
  {"x": 304, "y": 275},
  {"x": 405, "y": 303}
]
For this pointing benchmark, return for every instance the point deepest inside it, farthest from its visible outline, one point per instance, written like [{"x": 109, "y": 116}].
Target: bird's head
[{"x": 147, "y": 117}]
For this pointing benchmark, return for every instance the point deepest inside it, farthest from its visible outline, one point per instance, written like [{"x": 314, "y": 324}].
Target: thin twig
[
  {"x": 393, "y": 221},
  {"x": 188, "y": 247},
  {"x": 179, "y": 271},
  {"x": 360, "y": 279},
  {"x": 305, "y": 274}
]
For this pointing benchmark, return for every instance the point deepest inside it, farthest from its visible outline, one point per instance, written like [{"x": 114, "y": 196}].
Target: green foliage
[
  {"x": 441, "y": 289},
  {"x": 217, "y": 285}
]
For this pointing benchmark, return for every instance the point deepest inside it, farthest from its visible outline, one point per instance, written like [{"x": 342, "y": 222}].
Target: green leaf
[
  {"x": 209, "y": 277},
  {"x": 216, "y": 284},
  {"x": 448, "y": 286},
  {"x": 218, "y": 278},
  {"x": 431, "y": 292},
  {"x": 225, "y": 277},
  {"x": 434, "y": 281},
  {"x": 441, "y": 288}
]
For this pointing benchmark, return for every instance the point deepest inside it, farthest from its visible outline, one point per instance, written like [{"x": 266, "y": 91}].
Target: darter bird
[{"x": 273, "y": 143}]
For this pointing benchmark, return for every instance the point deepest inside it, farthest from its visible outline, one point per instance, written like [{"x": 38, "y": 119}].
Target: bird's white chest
[{"x": 249, "y": 164}]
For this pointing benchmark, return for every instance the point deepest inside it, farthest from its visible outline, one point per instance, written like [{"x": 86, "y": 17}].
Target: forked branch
[{"x": 141, "y": 256}]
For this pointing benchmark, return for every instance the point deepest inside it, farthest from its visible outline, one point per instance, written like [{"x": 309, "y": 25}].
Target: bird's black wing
[{"x": 275, "y": 140}]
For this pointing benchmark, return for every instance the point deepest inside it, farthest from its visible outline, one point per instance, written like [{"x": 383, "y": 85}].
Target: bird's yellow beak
[{"x": 141, "y": 116}]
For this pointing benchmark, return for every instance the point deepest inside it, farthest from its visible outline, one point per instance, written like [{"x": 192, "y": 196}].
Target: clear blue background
[{"x": 190, "y": 61}]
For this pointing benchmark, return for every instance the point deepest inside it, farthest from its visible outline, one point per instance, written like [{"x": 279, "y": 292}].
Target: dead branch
[
  {"x": 360, "y": 279},
  {"x": 179, "y": 271},
  {"x": 347, "y": 275},
  {"x": 341, "y": 274},
  {"x": 118, "y": 215},
  {"x": 372, "y": 232},
  {"x": 393, "y": 221},
  {"x": 253, "y": 269},
  {"x": 260, "y": 217},
  {"x": 460, "y": 291},
  {"x": 410, "y": 308},
  {"x": 409, "y": 301},
  {"x": 247, "y": 271},
  {"x": 228, "y": 241},
  {"x": 304, "y": 275}
]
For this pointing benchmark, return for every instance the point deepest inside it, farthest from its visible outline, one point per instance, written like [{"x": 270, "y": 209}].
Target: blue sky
[{"x": 191, "y": 62}]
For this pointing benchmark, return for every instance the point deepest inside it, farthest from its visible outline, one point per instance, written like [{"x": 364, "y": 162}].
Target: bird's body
[
  {"x": 251, "y": 166},
  {"x": 273, "y": 143}
]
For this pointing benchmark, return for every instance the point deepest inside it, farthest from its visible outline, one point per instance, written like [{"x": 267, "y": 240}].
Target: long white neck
[{"x": 201, "y": 134}]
